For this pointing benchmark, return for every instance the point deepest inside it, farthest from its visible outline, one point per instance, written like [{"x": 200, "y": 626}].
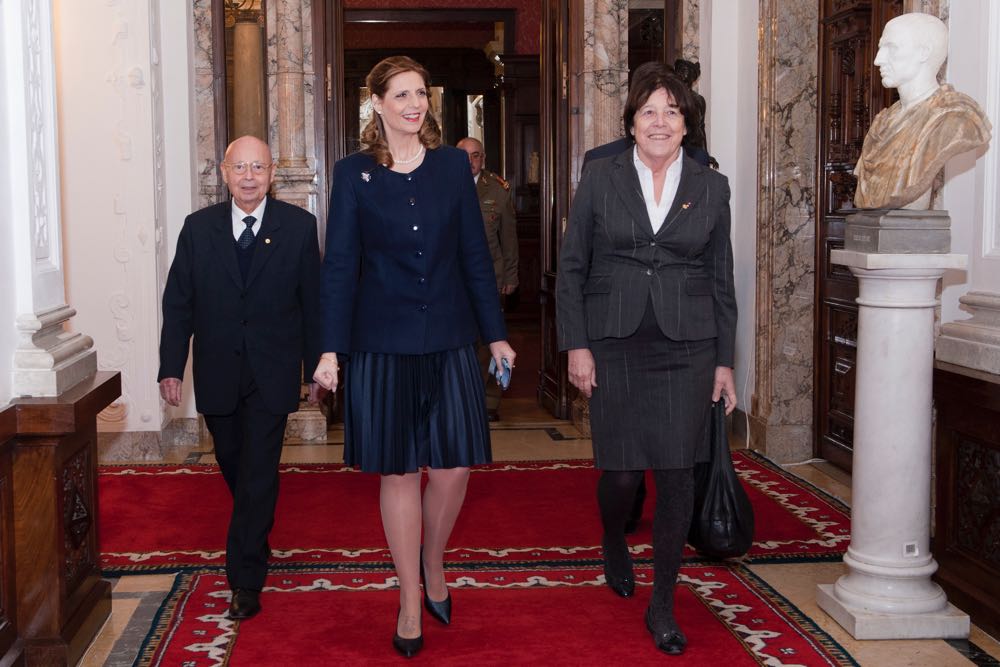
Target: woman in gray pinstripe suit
[{"x": 647, "y": 311}]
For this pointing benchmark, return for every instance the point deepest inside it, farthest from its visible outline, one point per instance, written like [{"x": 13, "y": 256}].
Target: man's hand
[
  {"x": 582, "y": 371},
  {"x": 326, "y": 372},
  {"x": 171, "y": 390},
  {"x": 508, "y": 289}
]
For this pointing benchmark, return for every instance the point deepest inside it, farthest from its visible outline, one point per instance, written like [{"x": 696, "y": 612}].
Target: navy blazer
[
  {"x": 612, "y": 264},
  {"x": 273, "y": 318},
  {"x": 407, "y": 269}
]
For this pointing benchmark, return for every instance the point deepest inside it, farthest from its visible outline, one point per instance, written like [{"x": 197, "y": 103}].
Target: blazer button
[
  {"x": 423, "y": 307},
  {"x": 244, "y": 322},
  {"x": 413, "y": 201},
  {"x": 649, "y": 272},
  {"x": 422, "y": 281},
  {"x": 419, "y": 253},
  {"x": 652, "y": 243},
  {"x": 416, "y": 227},
  {"x": 238, "y": 353}
]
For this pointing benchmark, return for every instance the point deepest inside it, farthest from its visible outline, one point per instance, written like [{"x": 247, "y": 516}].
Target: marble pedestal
[{"x": 888, "y": 592}]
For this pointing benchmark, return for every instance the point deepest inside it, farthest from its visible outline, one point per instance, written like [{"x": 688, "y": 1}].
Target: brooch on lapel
[
  {"x": 267, "y": 241},
  {"x": 366, "y": 176},
  {"x": 686, "y": 205}
]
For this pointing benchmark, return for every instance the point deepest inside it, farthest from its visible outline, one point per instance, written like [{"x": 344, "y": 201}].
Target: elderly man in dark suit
[{"x": 245, "y": 284}]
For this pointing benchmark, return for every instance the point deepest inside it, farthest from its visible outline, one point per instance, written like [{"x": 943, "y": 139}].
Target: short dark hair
[{"x": 647, "y": 79}]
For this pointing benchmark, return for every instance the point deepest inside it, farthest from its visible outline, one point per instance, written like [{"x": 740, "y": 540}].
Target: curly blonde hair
[{"x": 373, "y": 135}]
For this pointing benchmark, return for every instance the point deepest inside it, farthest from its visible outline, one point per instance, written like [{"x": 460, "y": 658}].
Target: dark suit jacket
[
  {"x": 406, "y": 268},
  {"x": 610, "y": 149},
  {"x": 273, "y": 319},
  {"x": 612, "y": 264}
]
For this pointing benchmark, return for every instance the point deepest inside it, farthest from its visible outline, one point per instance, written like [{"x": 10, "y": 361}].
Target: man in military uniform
[{"x": 501, "y": 235}]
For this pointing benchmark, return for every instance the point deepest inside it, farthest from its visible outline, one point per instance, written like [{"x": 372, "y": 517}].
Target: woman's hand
[
  {"x": 326, "y": 371},
  {"x": 725, "y": 387},
  {"x": 501, "y": 350},
  {"x": 582, "y": 372}
]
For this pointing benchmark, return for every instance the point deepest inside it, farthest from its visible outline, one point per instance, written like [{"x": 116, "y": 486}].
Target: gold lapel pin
[
  {"x": 269, "y": 240},
  {"x": 686, "y": 205}
]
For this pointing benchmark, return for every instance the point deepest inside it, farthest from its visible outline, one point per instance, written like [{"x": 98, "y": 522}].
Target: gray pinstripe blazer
[{"x": 611, "y": 263}]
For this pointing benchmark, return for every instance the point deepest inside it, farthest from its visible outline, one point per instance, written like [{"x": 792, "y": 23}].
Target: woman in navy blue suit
[{"x": 407, "y": 290}]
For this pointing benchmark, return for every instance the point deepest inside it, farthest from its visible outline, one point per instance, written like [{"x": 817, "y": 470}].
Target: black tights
[{"x": 672, "y": 517}]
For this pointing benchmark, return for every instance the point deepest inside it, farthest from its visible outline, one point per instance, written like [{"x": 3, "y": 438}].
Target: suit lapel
[
  {"x": 626, "y": 182},
  {"x": 267, "y": 241},
  {"x": 222, "y": 240},
  {"x": 689, "y": 193}
]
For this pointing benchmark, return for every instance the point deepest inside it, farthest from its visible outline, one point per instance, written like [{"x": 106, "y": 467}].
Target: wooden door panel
[{"x": 850, "y": 94}]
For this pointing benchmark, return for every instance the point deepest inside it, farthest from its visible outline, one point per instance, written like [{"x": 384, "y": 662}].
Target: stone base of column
[
  {"x": 949, "y": 623},
  {"x": 308, "y": 424},
  {"x": 973, "y": 343},
  {"x": 50, "y": 360}
]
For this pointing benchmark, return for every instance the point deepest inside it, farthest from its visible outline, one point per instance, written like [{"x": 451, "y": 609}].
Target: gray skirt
[{"x": 653, "y": 397}]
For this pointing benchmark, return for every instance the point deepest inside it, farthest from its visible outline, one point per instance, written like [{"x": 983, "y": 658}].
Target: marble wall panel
[
  {"x": 605, "y": 70},
  {"x": 691, "y": 30},
  {"x": 209, "y": 179},
  {"x": 782, "y": 404}
]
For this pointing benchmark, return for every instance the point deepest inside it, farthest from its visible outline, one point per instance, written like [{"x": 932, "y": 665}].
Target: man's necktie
[{"x": 246, "y": 238}]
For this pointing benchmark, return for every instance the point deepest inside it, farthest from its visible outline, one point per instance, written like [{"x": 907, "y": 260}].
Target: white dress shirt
[
  {"x": 658, "y": 211},
  {"x": 239, "y": 214}
]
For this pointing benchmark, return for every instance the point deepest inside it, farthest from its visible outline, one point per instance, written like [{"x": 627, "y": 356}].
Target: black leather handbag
[{"x": 722, "y": 525}]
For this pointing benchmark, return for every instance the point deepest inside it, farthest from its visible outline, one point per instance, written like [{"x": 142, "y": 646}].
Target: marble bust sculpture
[{"x": 909, "y": 143}]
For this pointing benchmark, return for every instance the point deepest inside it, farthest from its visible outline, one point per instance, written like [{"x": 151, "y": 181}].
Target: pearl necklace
[{"x": 412, "y": 159}]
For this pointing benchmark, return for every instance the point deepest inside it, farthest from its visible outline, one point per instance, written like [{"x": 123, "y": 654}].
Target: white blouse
[{"x": 658, "y": 212}]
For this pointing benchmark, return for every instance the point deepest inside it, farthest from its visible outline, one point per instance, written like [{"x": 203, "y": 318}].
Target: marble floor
[{"x": 527, "y": 433}]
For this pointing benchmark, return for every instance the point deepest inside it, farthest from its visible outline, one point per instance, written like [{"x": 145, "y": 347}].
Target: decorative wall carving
[
  {"x": 77, "y": 497},
  {"x": 39, "y": 132}
]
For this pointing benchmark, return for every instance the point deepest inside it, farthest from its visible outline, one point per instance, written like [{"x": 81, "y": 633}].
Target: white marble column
[
  {"x": 888, "y": 592},
  {"x": 48, "y": 358}
]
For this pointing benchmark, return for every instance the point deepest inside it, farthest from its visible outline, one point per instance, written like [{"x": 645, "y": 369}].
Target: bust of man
[{"x": 909, "y": 143}]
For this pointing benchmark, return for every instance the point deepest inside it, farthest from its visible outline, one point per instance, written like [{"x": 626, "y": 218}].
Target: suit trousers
[{"x": 248, "y": 448}]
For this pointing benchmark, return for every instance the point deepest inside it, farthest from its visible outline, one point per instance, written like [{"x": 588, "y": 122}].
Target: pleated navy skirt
[{"x": 404, "y": 412}]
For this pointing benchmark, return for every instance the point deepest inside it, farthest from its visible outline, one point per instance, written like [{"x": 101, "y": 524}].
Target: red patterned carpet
[
  {"x": 513, "y": 615},
  {"x": 170, "y": 518}
]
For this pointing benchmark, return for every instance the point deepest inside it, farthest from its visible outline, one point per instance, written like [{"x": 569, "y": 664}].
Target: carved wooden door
[
  {"x": 558, "y": 49},
  {"x": 850, "y": 94}
]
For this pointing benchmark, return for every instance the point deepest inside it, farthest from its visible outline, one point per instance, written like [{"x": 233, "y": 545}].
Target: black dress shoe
[
  {"x": 439, "y": 610},
  {"x": 406, "y": 647},
  {"x": 620, "y": 576},
  {"x": 245, "y": 604},
  {"x": 671, "y": 640}
]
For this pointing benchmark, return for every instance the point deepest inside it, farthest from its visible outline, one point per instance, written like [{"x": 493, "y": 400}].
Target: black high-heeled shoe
[
  {"x": 620, "y": 579},
  {"x": 671, "y": 641},
  {"x": 439, "y": 610},
  {"x": 406, "y": 647}
]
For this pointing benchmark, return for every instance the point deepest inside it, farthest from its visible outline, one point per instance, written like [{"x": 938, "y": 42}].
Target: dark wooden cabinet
[
  {"x": 61, "y": 599},
  {"x": 967, "y": 491},
  {"x": 10, "y": 643},
  {"x": 850, "y": 95}
]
